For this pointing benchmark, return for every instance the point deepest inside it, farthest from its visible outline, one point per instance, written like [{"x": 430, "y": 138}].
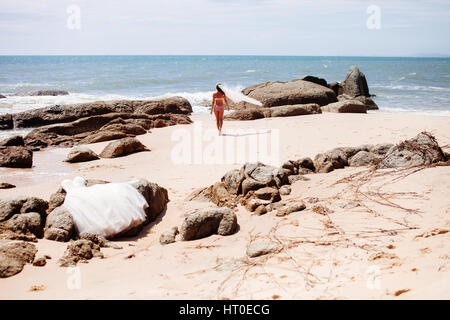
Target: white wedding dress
[{"x": 104, "y": 209}]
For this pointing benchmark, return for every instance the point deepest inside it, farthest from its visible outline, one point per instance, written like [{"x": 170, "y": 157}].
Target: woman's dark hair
[{"x": 218, "y": 88}]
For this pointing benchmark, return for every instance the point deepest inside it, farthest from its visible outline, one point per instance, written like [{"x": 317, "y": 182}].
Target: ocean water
[{"x": 419, "y": 85}]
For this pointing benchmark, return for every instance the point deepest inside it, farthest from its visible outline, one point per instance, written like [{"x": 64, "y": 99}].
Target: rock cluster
[
  {"x": 307, "y": 95},
  {"x": 30, "y": 218},
  {"x": 67, "y": 125}
]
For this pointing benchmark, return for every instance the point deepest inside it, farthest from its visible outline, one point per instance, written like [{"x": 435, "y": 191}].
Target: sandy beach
[{"x": 394, "y": 245}]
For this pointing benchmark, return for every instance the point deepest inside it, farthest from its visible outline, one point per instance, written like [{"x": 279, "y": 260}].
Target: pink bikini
[{"x": 217, "y": 107}]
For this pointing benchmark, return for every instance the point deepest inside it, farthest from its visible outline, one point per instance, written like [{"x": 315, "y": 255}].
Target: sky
[{"x": 220, "y": 27}]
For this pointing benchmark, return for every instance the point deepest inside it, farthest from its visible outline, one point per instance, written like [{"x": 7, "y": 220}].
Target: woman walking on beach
[{"x": 218, "y": 105}]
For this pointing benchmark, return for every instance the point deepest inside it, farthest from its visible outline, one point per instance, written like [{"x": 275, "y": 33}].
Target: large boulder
[
  {"x": 278, "y": 111},
  {"x": 245, "y": 114},
  {"x": 16, "y": 157},
  {"x": 294, "y": 110},
  {"x": 330, "y": 160},
  {"x": 222, "y": 221},
  {"x": 355, "y": 83},
  {"x": 68, "y": 113},
  {"x": 161, "y": 106},
  {"x": 48, "y": 92},
  {"x": 233, "y": 180},
  {"x": 14, "y": 255},
  {"x": 100, "y": 128},
  {"x": 156, "y": 196},
  {"x": 2, "y": 96},
  {"x": 80, "y": 250},
  {"x": 21, "y": 205},
  {"x": 346, "y": 106},
  {"x": 14, "y": 141},
  {"x": 316, "y": 80},
  {"x": 273, "y": 94},
  {"x": 221, "y": 197},
  {"x": 258, "y": 175},
  {"x": 368, "y": 102},
  {"x": 6, "y": 122},
  {"x": 26, "y": 223},
  {"x": 364, "y": 158},
  {"x": 421, "y": 150},
  {"x": 122, "y": 148},
  {"x": 59, "y": 225},
  {"x": 81, "y": 154}
]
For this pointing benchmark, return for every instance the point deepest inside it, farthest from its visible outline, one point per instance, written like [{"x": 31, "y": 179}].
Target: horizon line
[{"x": 235, "y": 55}]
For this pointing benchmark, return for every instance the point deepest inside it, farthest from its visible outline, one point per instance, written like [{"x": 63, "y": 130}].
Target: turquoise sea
[{"x": 420, "y": 85}]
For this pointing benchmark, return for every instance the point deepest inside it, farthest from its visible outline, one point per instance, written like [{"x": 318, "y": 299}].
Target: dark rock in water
[
  {"x": 59, "y": 225},
  {"x": 6, "y": 122},
  {"x": 368, "y": 102},
  {"x": 2, "y": 96},
  {"x": 272, "y": 94},
  {"x": 81, "y": 154},
  {"x": 222, "y": 221},
  {"x": 122, "y": 148},
  {"x": 336, "y": 87},
  {"x": 168, "y": 236},
  {"x": 345, "y": 106},
  {"x": 355, "y": 83},
  {"x": 6, "y": 185},
  {"x": 316, "y": 80},
  {"x": 80, "y": 250},
  {"x": 42, "y": 93},
  {"x": 16, "y": 157},
  {"x": 14, "y": 255},
  {"x": 15, "y": 141},
  {"x": 163, "y": 106},
  {"x": 420, "y": 150}
]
